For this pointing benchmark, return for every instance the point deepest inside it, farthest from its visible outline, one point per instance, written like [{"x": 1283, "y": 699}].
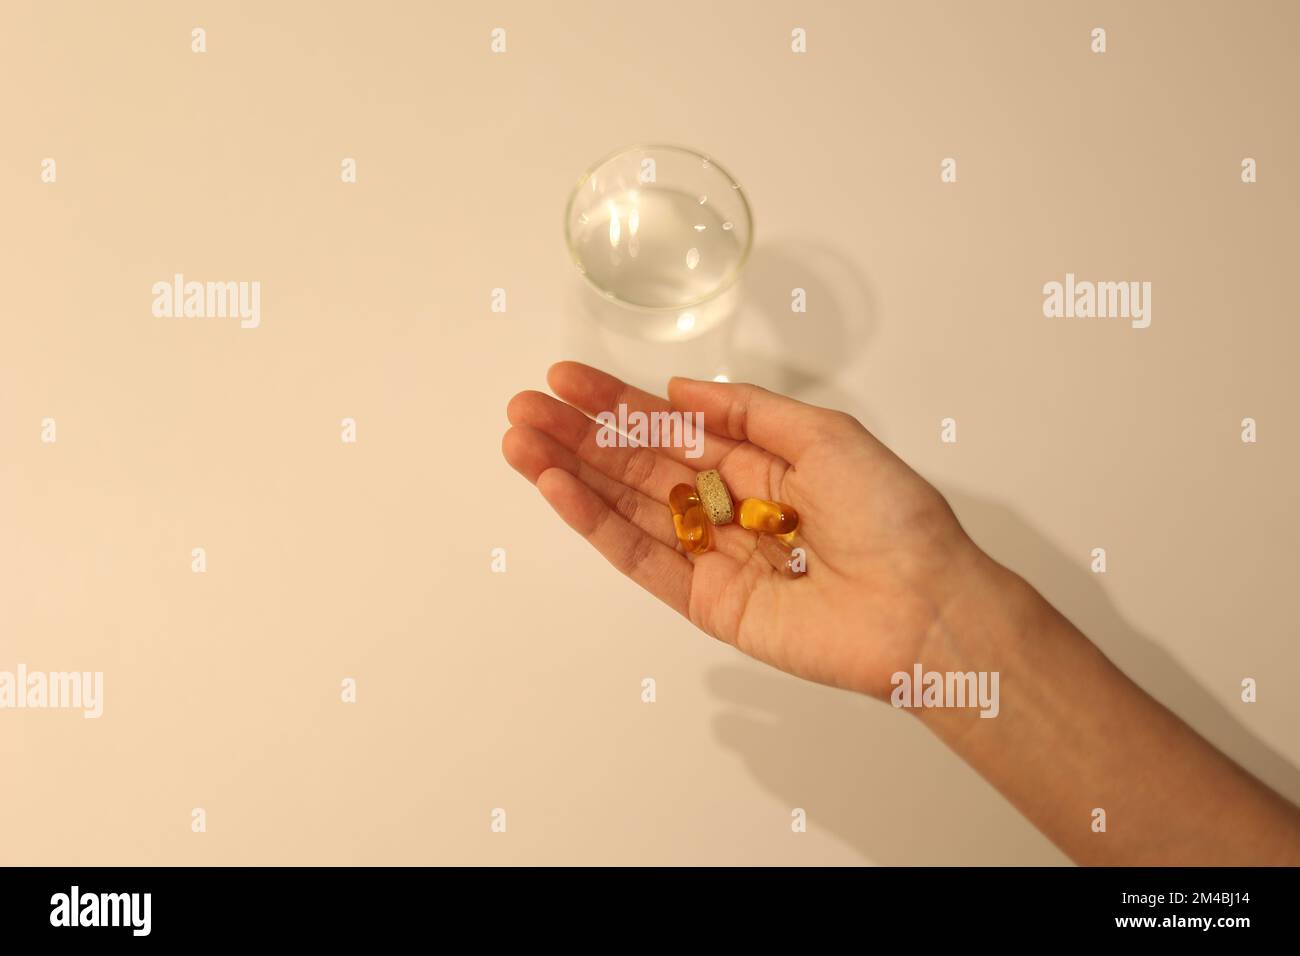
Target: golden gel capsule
[
  {"x": 768, "y": 517},
  {"x": 689, "y": 522}
]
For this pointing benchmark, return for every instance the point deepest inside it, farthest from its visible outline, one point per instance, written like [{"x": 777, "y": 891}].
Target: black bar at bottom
[{"x": 207, "y": 905}]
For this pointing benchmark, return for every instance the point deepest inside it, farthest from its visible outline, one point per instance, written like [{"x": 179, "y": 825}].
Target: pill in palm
[
  {"x": 689, "y": 521},
  {"x": 714, "y": 496},
  {"x": 768, "y": 517}
]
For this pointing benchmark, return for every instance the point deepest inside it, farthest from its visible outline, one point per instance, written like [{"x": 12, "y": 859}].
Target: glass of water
[{"x": 661, "y": 234}]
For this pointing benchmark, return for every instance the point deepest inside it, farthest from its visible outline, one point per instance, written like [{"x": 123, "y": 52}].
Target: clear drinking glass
[{"x": 661, "y": 233}]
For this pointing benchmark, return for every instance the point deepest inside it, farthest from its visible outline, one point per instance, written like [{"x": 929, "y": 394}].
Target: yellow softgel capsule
[
  {"x": 767, "y": 517},
  {"x": 689, "y": 521}
]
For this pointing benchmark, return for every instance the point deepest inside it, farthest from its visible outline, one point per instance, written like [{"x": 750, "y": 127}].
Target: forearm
[{"x": 1073, "y": 734}]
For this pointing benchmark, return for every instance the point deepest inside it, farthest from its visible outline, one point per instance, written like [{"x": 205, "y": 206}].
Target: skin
[{"x": 893, "y": 580}]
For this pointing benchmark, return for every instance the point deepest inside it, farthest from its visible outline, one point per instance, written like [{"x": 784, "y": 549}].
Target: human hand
[{"x": 886, "y": 558}]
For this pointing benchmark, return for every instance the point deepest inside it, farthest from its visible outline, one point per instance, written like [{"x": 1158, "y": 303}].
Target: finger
[
  {"x": 531, "y": 452},
  {"x": 781, "y": 425},
  {"x": 644, "y": 469},
  {"x": 594, "y": 391},
  {"x": 663, "y": 572}
]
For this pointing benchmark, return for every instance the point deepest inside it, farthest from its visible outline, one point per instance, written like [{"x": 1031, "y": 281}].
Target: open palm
[{"x": 883, "y": 550}]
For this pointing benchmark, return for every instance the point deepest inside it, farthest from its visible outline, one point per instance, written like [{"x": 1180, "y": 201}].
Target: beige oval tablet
[{"x": 714, "y": 496}]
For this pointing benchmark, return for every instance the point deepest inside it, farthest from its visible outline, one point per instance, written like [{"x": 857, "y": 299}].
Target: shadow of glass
[{"x": 792, "y": 351}]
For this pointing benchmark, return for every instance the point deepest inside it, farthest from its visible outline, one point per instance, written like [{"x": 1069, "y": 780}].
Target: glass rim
[{"x": 723, "y": 285}]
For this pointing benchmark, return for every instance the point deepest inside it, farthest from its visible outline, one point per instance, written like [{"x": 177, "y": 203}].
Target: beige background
[{"x": 521, "y": 690}]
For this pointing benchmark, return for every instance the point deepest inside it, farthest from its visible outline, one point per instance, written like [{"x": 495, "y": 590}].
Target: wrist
[{"x": 982, "y": 627}]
